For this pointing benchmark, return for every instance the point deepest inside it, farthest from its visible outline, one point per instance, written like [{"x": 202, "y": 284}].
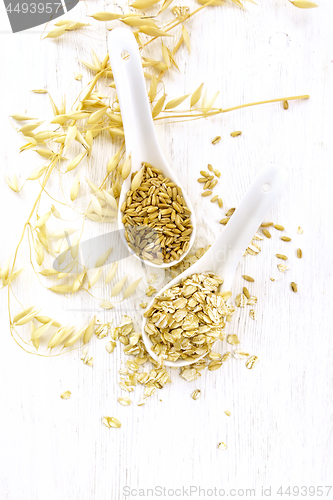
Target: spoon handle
[
  {"x": 141, "y": 140},
  {"x": 228, "y": 249}
]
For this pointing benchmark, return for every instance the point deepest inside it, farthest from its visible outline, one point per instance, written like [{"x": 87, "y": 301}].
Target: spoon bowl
[
  {"x": 140, "y": 134},
  {"x": 224, "y": 255}
]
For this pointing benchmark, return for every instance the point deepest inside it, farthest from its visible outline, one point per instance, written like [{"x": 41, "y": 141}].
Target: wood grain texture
[{"x": 280, "y": 429}]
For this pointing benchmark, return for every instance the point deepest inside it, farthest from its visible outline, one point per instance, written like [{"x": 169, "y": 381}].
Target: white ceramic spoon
[
  {"x": 140, "y": 135},
  {"x": 224, "y": 255}
]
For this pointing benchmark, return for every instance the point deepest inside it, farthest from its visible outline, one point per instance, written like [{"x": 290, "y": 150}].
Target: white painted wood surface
[{"x": 280, "y": 429}]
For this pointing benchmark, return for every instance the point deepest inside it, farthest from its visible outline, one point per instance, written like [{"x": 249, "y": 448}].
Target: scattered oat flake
[
  {"x": 300, "y": 230},
  {"x": 226, "y": 356},
  {"x": 87, "y": 360},
  {"x": 233, "y": 339},
  {"x": 66, "y": 395},
  {"x": 106, "y": 305},
  {"x": 142, "y": 401},
  {"x": 102, "y": 330},
  {"x": 222, "y": 446},
  {"x": 111, "y": 422},
  {"x": 125, "y": 401},
  {"x": 282, "y": 268},
  {"x": 152, "y": 278},
  {"x": 196, "y": 394},
  {"x": 227, "y": 412},
  {"x": 241, "y": 300},
  {"x": 240, "y": 354},
  {"x": 110, "y": 346},
  {"x": 150, "y": 291},
  {"x": 78, "y": 76},
  {"x": 251, "y": 362},
  {"x": 252, "y": 314},
  {"x": 143, "y": 305}
]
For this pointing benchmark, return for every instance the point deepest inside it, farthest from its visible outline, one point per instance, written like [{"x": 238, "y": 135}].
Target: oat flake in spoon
[{"x": 184, "y": 320}]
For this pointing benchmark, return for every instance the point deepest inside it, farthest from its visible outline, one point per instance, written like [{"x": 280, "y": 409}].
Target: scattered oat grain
[
  {"x": 293, "y": 286},
  {"x": 236, "y": 133},
  {"x": 266, "y": 233},
  {"x": 299, "y": 253},
  {"x": 281, "y": 256},
  {"x": 230, "y": 212},
  {"x": 251, "y": 362},
  {"x": 248, "y": 278}
]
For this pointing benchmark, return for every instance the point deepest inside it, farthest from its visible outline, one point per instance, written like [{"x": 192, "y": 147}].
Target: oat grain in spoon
[{"x": 155, "y": 214}]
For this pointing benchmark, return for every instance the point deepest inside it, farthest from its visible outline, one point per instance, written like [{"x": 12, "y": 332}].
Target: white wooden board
[{"x": 280, "y": 429}]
